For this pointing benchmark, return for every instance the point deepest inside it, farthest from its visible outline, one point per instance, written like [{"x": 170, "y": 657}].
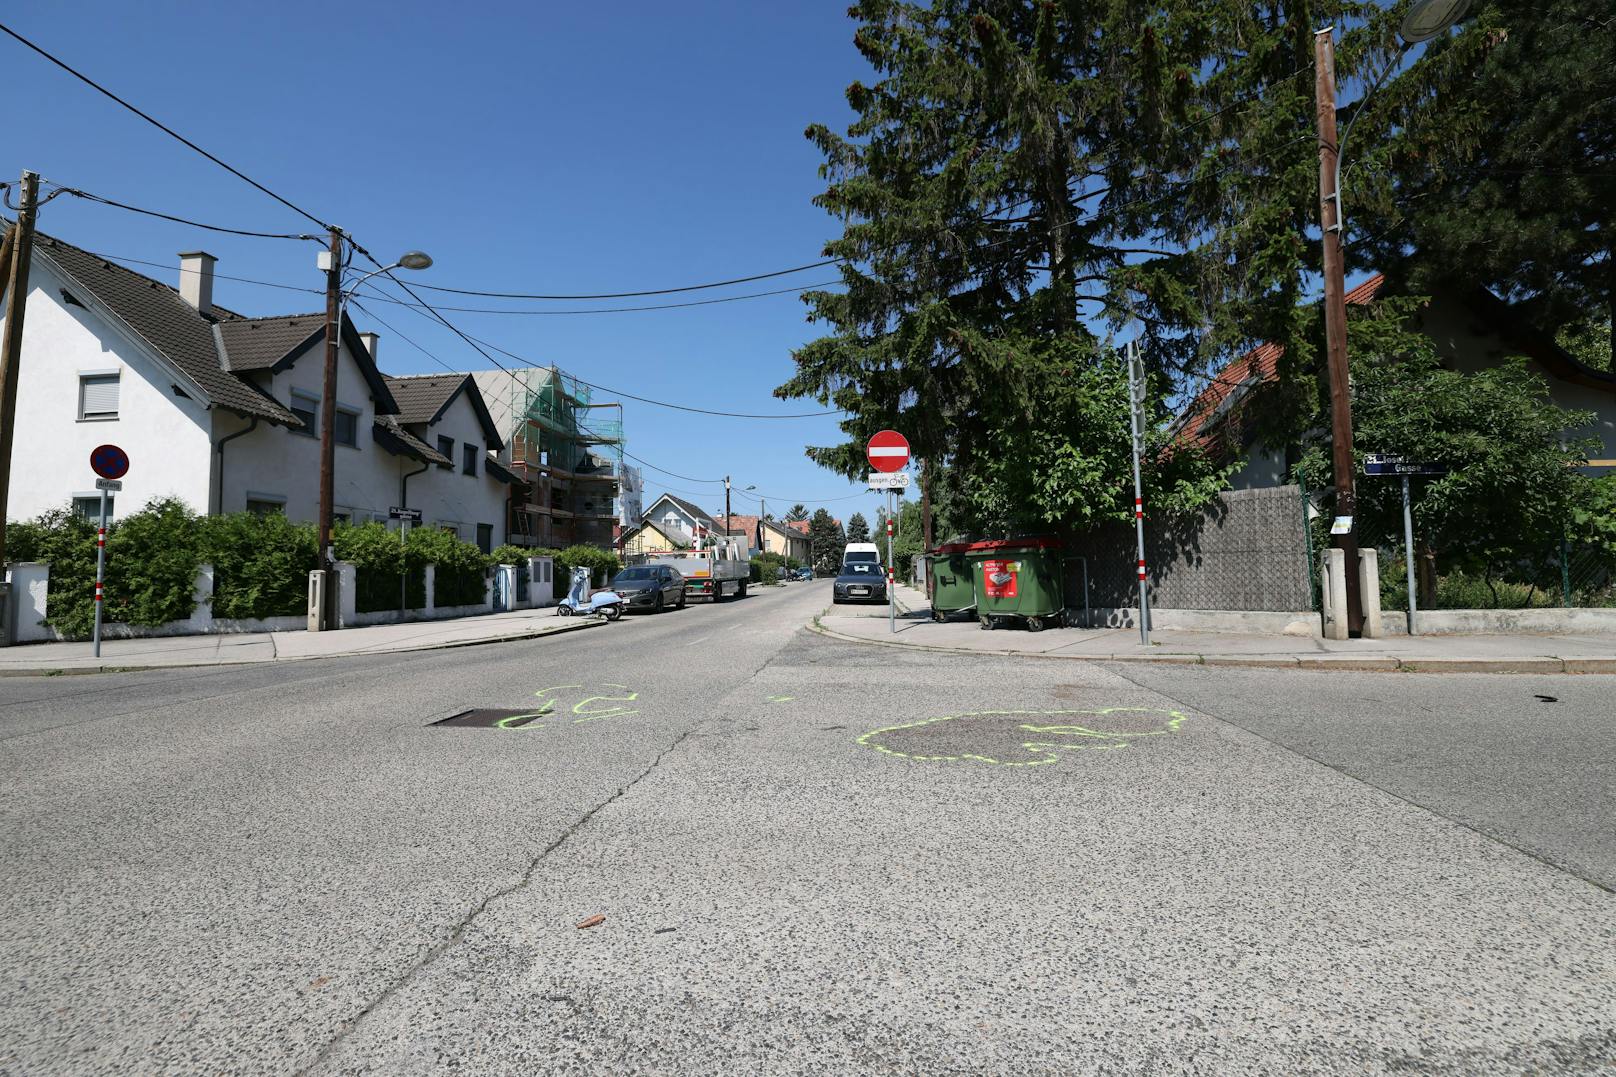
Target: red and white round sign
[{"x": 888, "y": 451}]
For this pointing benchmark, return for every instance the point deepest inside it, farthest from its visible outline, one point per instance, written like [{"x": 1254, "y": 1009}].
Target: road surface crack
[{"x": 477, "y": 910}]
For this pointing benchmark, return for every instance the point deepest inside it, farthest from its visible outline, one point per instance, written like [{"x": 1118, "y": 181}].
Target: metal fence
[{"x": 1565, "y": 574}]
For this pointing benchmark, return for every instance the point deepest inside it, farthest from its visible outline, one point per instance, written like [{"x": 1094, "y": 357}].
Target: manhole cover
[{"x": 492, "y": 719}]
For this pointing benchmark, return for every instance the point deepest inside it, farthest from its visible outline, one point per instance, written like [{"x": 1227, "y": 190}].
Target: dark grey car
[
  {"x": 861, "y": 581},
  {"x": 650, "y": 587}
]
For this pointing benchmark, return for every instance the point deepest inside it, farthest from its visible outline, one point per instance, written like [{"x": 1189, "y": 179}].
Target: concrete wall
[
  {"x": 1246, "y": 552},
  {"x": 165, "y": 434}
]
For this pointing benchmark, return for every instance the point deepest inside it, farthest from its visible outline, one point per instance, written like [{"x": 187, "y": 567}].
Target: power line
[
  {"x": 88, "y": 81},
  {"x": 665, "y": 471},
  {"x": 622, "y": 310},
  {"x": 633, "y": 295},
  {"x": 89, "y": 197}
]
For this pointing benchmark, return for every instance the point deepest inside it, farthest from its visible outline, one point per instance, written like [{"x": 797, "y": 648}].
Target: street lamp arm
[{"x": 1341, "y": 144}]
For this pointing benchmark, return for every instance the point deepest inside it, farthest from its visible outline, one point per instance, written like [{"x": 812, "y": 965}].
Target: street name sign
[
  {"x": 888, "y": 451},
  {"x": 892, "y": 480},
  {"x": 412, "y": 515},
  {"x": 109, "y": 461},
  {"x": 1377, "y": 463},
  {"x": 108, "y": 484}
]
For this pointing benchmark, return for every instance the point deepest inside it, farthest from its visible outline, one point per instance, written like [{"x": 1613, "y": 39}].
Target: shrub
[
  {"x": 382, "y": 568},
  {"x": 602, "y": 565},
  {"x": 260, "y": 563},
  {"x": 461, "y": 571},
  {"x": 511, "y": 555}
]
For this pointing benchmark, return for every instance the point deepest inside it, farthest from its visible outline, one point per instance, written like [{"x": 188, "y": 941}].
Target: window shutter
[{"x": 100, "y": 395}]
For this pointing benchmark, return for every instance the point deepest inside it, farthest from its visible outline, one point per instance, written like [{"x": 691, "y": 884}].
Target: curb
[
  {"x": 574, "y": 624},
  {"x": 1344, "y": 663}
]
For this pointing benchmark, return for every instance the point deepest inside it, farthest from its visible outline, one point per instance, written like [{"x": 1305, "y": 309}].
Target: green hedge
[
  {"x": 261, "y": 564},
  {"x": 461, "y": 571},
  {"x": 384, "y": 572}
]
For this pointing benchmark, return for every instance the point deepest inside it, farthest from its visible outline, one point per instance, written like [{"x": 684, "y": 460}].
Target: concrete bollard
[
  {"x": 1333, "y": 573},
  {"x": 1369, "y": 588}
]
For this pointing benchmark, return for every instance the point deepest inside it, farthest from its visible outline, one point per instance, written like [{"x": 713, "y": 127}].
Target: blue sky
[{"x": 537, "y": 148}]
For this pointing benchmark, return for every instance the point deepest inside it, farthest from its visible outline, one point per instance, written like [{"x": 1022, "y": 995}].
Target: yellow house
[{"x": 648, "y": 538}]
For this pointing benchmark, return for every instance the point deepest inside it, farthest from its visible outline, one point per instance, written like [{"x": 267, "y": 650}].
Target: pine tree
[
  {"x": 797, "y": 512},
  {"x": 858, "y": 528},
  {"x": 825, "y": 536}
]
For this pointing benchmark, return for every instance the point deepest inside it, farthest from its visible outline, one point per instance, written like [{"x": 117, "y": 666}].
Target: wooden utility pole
[
  {"x": 328, "y": 419},
  {"x": 20, "y": 246},
  {"x": 1335, "y": 322}
]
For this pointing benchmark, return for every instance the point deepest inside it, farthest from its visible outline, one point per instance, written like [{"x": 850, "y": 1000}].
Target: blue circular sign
[{"x": 109, "y": 461}]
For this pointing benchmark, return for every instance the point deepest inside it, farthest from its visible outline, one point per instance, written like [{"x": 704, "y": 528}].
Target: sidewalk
[
  {"x": 48, "y": 659},
  {"x": 1423, "y": 654}
]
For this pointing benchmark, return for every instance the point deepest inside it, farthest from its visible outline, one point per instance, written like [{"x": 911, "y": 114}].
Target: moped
[{"x": 579, "y": 601}]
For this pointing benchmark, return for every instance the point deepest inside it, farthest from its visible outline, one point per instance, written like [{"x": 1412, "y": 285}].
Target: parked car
[
  {"x": 650, "y": 587},
  {"x": 860, "y": 581},
  {"x": 805, "y": 574}
]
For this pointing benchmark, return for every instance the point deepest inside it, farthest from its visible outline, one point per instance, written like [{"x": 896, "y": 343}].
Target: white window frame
[
  {"x": 357, "y": 413},
  {"x": 100, "y": 417}
]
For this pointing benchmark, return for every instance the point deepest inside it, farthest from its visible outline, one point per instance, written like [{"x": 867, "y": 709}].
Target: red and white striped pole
[
  {"x": 1136, "y": 430},
  {"x": 100, "y": 570}
]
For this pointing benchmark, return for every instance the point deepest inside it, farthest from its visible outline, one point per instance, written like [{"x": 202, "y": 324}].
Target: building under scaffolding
[{"x": 566, "y": 449}]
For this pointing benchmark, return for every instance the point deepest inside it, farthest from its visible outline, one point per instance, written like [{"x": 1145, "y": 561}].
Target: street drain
[{"x": 492, "y": 719}]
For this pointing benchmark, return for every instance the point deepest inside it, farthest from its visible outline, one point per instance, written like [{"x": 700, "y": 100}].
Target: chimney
[
  {"x": 369, "y": 341},
  {"x": 196, "y": 279}
]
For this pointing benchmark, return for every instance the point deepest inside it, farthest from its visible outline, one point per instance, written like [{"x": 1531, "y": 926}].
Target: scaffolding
[{"x": 568, "y": 451}]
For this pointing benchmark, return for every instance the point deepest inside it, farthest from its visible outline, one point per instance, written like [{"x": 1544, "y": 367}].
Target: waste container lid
[
  {"x": 949, "y": 547},
  {"x": 1044, "y": 543}
]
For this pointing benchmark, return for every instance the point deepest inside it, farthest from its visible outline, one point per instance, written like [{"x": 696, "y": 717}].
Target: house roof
[
  {"x": 423, "y": 398},
  {"x": 688, "y": 509},
  {"x": 213, "y": 350},
  {"x": 391, "y": 435}
]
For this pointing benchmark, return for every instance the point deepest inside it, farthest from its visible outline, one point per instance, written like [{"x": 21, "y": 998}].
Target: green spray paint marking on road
[
  {"x": 1084, "y": 737},
  {"x": 585, "y": 713}
]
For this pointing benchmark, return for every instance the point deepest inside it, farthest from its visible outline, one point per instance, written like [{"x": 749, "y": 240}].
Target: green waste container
[
  {"x": 949, "y": 583},
  {"x": 1017, "y": 579}
]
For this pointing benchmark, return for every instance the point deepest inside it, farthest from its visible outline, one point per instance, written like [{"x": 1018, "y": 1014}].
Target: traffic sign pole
[
  {"x": 100, "y": 570},
  {"x": 1136, "y": 424},
  {"x": 1408, "y": 557},
  {"x": 892, "y": 583}
]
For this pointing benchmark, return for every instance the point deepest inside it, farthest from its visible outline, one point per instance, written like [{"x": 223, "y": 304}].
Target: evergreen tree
[
  {"x": 825, "y": 536},
  {"x": 858, "y": 528},
  {"x": 797, "y": 512}
]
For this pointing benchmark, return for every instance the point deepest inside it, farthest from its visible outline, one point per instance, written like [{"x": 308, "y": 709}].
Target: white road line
[{"x": 703, "y": 639}]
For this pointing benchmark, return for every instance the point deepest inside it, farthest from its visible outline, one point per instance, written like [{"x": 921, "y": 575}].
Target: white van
[{"x": 861, "y": 551}]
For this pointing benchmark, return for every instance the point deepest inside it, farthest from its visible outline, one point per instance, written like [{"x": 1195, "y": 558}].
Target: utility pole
[
  {"x": 1137, "y": 395},
  {"x": 1335, "y": 322},
  {"x": 20, "y": 244},
  {"x": 328, "y": 419},
  {"x": 726, "y": 507}
]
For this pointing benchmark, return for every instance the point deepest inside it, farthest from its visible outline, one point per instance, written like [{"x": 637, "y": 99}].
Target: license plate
[{"x": 859, "y": 590}]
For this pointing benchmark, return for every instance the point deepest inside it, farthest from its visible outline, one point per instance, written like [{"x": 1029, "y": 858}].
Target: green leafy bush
[
  {"x": 382, "y": 569},
  {"x": 261, "y": 564},
  {"x": 602, "y": 565},
  {"x": 511, "y": 555},
  {"x": 461, "y": 571}
]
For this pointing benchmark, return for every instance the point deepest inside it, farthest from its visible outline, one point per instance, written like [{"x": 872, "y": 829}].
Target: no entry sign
[{"x": 888, "y": 451}]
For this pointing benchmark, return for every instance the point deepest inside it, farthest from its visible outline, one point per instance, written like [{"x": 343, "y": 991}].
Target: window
[
  {"x": 446, "y": 447},
  {"x": 346, "y": 428},
  {"x": 98, "y": 396},
  {"x": 485, "y": 538},
  {"x": 307, "y": 409},
  {"x": 468, "y": 461},
  {"x": 89, "y": 507},
  {"x": 265, "y": 506}
]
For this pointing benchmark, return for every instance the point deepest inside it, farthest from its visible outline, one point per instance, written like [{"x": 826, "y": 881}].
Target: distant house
[
  {"x": 679, "y": 520},
  {"x": 213, "y": 407},
  {"x": 648, "y": 538},
  {"x": 1472, "y": 331},
  {"x": 774, "y": 536},
  {"x": 469, "y": 491}
]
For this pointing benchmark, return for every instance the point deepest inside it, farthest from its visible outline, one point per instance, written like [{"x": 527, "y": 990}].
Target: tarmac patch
[
  {"x": 587, "y": 705},
  {"x": 1021, "y": 738}
]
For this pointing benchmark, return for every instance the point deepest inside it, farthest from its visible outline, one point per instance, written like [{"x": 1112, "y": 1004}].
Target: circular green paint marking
[
  {"x": 582, "y": 708},
  {"x": 1047, "y": 739}
]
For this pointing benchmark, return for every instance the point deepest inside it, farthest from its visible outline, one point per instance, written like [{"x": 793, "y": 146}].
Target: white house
[
  {"x": 679, "y": 519},
  {"x": 217, "y": 409}
]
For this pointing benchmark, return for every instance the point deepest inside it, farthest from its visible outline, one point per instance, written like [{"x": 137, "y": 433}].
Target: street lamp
[
  {"x": 1424, "y": 20},
  {"x": 763, "y": 512},
  {"x": 336, "y": 298}
]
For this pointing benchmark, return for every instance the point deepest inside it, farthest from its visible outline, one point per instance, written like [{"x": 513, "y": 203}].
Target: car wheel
[
  {"x": 742, "y": 592},
  {"x": 681, "y": 604},
  {"x": 658, "y": 607}
]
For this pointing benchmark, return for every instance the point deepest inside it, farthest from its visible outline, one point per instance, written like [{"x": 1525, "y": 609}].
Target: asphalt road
[{"x": 810, "y": 856}]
